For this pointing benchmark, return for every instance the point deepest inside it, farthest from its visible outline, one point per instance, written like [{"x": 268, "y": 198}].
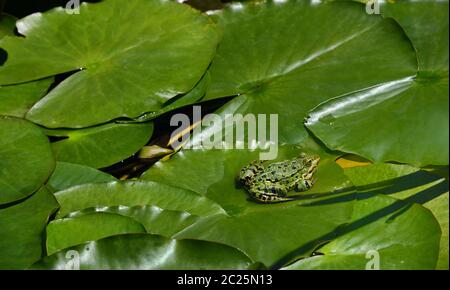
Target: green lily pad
[
  {"x": 286, "y": 57},
  {"x": 394, "y": 233},
  {"x": 286, "y": 225},
  {"x": 102, "y": 145},
  {"x": 134, "y": 193},
  {"x": 16, "y": 100},
  {"x": 411, "y": 184},
  {"x": 68, "y": 232},
  {"x": 156, "y": 220},
  {"x": 126, "y": 62},
  {"x": 140, "y": 251},
  {"x": 22, "y": 229},
  {"x": 26, "y": 159},
  {"x": 193, "y": 96},
  {"x": 7, "y": 25},
  {"x": 439, "y": 207},
  {"x": 381, "y": 123},
  {"x": 426, "y": 24},
  {"x": 67, "y": 175}
]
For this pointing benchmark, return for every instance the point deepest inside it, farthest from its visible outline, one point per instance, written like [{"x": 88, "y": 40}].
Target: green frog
[{"x": 272, "y": 183}]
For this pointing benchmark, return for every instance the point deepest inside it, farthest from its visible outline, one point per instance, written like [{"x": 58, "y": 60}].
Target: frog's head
[
  {"x": 310, "y": 161},
  {"x": 247, "y": 174}
]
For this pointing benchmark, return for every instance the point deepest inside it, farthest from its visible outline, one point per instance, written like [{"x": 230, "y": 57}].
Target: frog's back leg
[{"x": 269, "y": 198}]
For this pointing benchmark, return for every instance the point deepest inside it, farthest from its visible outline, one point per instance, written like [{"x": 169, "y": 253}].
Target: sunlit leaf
[
  {"x": 126, "y": 62},
  {"x": 22, "y": 229},
  {"x": 26, "y": 159},
  {"x": 102, "y": 145},
  {"x": 403, "y": 120},
  {"x": 147, "y": 252}
]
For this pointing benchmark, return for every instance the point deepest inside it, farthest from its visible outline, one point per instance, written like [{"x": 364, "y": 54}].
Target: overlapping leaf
[
  {"x": 146, "y": 252},
  {"x": 16, "y": 100},
  {"x": 67, "y": 175},
  {"x": 284, "y": 227},
  {"x": 405, "y": 120},
  {"x": 68, "y": 232},
  {"x": 287, "y": 57},
  {"x": 383, "y": 234},
  {"x": 127, "y": 63},
  {"x": 26, "y": 159},
  {"x": 7, "y": 24},
  {"x": 134, "y": 193},
  {"x": 22, "y": 229},
  {"x": 410, "y": 184},
  {"x": 102, "y": 145}
]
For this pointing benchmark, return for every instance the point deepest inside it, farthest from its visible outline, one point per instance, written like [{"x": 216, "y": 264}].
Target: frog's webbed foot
[{"x": 303, "y": 185}]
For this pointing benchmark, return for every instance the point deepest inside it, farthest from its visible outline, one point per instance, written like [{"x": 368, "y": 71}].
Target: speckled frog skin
[{"x": 272, "y": 183}]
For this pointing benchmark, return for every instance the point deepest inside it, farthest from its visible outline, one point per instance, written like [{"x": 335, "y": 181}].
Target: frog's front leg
[{"x": 304, "y": 182}]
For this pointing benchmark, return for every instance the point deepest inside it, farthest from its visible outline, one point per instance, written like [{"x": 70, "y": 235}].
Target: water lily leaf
[
  {"x": 303, "y": 53},
  {"x": 140, "y": 251},
  {"x": 439, "y": 208},
  {"x": 381, "y": 123},
  {"x": 26, "y": 159},
  {"x": 127, "y": 63},
  {"x": 382, "y": 229},
  {"x": 67, "y": 175},
  {"x": 16, "y": 100},
  {"x": 156, "y": 220},
  {"x": 7, "y": 25},
  {"x": 193, "y": 96},
  {"x": 102, "y": 145},
  {"x": 411, "y": 184},
  {"x": 22, "y": 229},
  {"x": 134, "y": 193},
  {"x": 68, "y": 232},
  {"x": 426, "y": 24},
  {"x": 286, "y": 225}
]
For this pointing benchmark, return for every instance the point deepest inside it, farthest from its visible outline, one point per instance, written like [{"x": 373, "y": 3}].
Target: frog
[{"x": 271, "y": 183}]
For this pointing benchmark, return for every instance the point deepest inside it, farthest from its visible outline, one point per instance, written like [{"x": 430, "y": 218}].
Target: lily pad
[
  {"x": 68, "y": 232},
  {"x": 7, "y": 25},
  {"x": 126, "y": 62},
  {"x": 140, "y": 251},
  {"x": 22, "y": 229},
  {"x": 102, "y": 145},
  {"x": 286, "y": 225},
  {"x": 16, "y": 100},
  {"x": 301, "y": 53},
  {"x": 156, "y": 220},
  {"x": 193, "y": 96},
  {"x": 26, "y": 159},
  {"x": 381, "y": 123},
  {"x": 410, "y": 184},
  {"x": 67, "y": 175},
  {"x": 383, "y": 234},
  {"x": 134, "y": 193}
]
